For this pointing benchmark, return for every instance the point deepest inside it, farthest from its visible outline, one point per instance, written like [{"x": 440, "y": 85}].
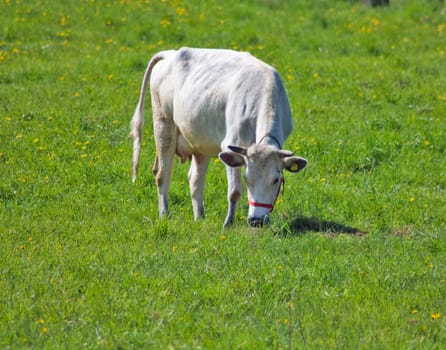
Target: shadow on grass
[{"x": 301, "y": 225}]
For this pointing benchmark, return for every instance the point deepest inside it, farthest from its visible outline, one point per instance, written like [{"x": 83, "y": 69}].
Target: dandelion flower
[
  {"x": 435, "y": 316},
  {"x": 181, "y": 11},
  {"x": 165, "y": 23}
]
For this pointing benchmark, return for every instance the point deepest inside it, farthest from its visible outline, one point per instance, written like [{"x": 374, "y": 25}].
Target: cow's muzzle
[{"x": 259, "y": 222}]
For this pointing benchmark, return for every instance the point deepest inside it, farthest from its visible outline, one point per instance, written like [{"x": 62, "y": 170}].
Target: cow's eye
[{"x": 276, "y": 180}]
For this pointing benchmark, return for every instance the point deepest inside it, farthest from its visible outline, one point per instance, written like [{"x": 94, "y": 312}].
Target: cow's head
[{"x": 263, "y": 175}]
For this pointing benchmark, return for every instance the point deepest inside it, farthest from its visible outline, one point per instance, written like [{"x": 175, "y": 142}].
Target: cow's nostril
[
  {"x": 255, "y": 222},
  {"x": 259, "y": 222}
]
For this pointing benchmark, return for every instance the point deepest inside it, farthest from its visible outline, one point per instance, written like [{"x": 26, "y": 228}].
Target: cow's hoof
[{"x": 229, "y": 222}]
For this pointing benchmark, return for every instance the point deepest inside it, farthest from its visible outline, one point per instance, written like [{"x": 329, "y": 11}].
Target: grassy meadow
[{"x": 355, "y": 256}]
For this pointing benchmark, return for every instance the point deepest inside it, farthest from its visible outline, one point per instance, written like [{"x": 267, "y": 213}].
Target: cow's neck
[{"x": 271, "y": 140}]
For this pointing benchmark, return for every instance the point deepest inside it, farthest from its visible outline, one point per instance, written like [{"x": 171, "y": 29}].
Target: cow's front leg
[
  {"x": 234, "y": 193},
  {"x": 197, "y": 177},
  {"x": 165, "y": 140}
]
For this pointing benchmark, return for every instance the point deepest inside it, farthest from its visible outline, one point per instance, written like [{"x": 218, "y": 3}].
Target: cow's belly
[
  {"x": 186, "y": 148},
  {"x": 205, "y": 141},
  {"x": 203, "y": 132}
]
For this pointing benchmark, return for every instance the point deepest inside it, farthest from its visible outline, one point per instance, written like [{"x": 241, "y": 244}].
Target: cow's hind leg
[
  {"x": 155, "y": 165},
  {"x": 234, "y": 193},
  {"x": 197, "y": 176},
  {"x": 165, "y": 140}
]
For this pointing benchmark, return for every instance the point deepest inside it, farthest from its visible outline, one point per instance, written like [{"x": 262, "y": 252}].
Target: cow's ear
[
  {"x": 232, "y": 159},
  {"x": 294, "y": 164},
  {"x": 283, "y": 153}
]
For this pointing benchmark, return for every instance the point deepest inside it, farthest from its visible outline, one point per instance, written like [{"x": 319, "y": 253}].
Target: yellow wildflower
[
  {"x": 435, "y": 316},
  {"x": 181, "y": 11},
  {"x": 165, "y": 23}
]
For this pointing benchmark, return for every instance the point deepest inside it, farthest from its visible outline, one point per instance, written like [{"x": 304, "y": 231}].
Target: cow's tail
[{"x": 138, "y": 115}]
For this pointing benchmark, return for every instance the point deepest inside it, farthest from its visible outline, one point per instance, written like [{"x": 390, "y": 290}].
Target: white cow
[{"x": 209, "y": 103}]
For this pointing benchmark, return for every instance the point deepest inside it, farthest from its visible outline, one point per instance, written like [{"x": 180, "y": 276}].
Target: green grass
[{"x": 356, "y": 253}]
